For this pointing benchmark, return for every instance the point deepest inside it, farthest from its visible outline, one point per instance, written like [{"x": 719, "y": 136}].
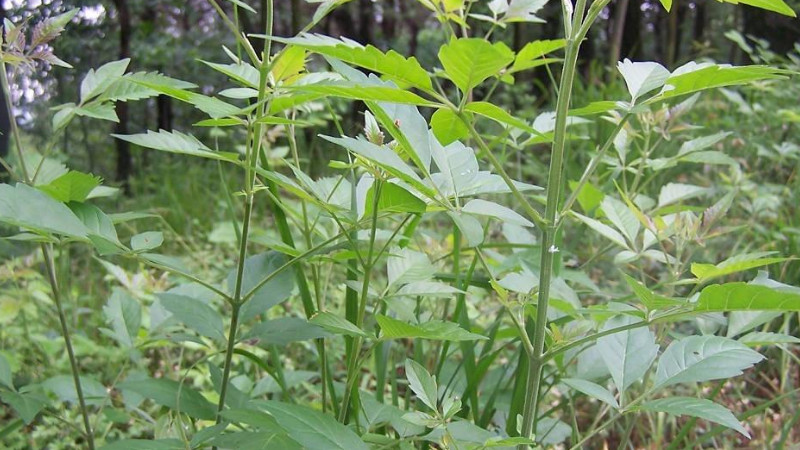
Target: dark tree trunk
[
  {"x": 366, "y": 17},
  {"x": 297, "y": 17},
  {"x": 164, "y": 112},
  {"x": 617, "y": 31},
  {"x": 630, "y": 45},
  {"x": 698, "y": 32},
  {"x": 124, "y": 159},
  {"x": 780, "y": 31}
]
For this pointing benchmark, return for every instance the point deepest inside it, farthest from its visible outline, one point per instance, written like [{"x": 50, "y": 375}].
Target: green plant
[{"x": 378, "y": 279}]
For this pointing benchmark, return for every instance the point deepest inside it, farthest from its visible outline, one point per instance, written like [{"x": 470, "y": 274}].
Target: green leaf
[
  {"x": 102, "y": 233},
  {"x": 422, "y": 383},
  {"x": 6, "y": 377},
  {"x": 95, "y": 110},
  {"x": 734, "y": 264},
  {"x": 63, "y": 386},
  {"x": 313, "y": 429},
  {"x": 337, "y": 325},
  {"x": 448, "y": 127},
  {"x": 176, "y": 142},
  {"x": 667, "y": 4},
  {"x": 195, "y": 314},
  {"x": 778, "y": 6},
  {"x": 696, "y": 407},
  {"x": 243, "y": 5},
  {"x": 261, "y": 440},
  {"x": 532, "y": 54},
  {"x": 677, "y": 192},
  {"x": 603, "y": 229},
  {"x": 499, "y": 115},
  {"x": 650, "y": 300},
  {"x": 759, "y": 338},
  {"x": 703, "y": 358},
  {"x": 33, "y": 210},
  {"x": 276, "y": 290},
  {"x": 355, "y": 91},
  {"x": 434, "y": 330},
  {"x": 393, "y": 198},
  {"x": 491, "y": 209},
  {"x": 746, "y": 297},
  {"x": 469, "y": 226},
  {"x": 96, "y": 82},
  {"x": 144, "y": 444},
  {"x": 244, "y": 74},
  {"x": 256, "y": 419},
  {"x": 173, "y": 395},
  {"x": 26, "y": 404},
  {"x": 642, "y": 77},
  {"x": 73, "y": 186},
  {"x": 124, "y": 315},
  {"x": 132, "y": 86},
  {"x": 407, "y": 266},
  {"x": 393, "y": 65},
  {"x": 693, "y": 77},
  {"x": 147, "y": 241},
  {"x": 622, "y": 217},
  {"x": 470, "y": 61},
  {"x": 593, "y": 390},
  {"x": 284, "y": 331},
  {"x": 628, "y": 354},
  {"x": 214, "y": 107}
]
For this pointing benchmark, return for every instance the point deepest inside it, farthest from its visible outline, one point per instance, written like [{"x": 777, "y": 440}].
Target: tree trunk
[
  {"x": 124, "y": 159},
  {"x": 366, "y": 17},
  {"x": 698, "y": 32},
  {"x": 617, "y": 31},
  {"x": 297, "y": 17},
  {"x": 630, "y": 45}
]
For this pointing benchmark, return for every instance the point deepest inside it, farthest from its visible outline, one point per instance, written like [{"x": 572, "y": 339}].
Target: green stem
[
  {"x": 73, "y": 362},
  {"x": 548, "y": 249}
]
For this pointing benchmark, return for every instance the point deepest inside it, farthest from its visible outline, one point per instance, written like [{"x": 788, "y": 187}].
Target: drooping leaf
[
  {"x": 696, "y": 407},
  {"x": 703, "y": 358},
  {"x": 433, "y": 330},
  {"x": 337, "y": 325},
  {"x": 124, "y": 315},
  {"x": 283, "y": 331},
  {"x": 422, "y": 383},
  {"x": 195, "y": 314},
  {"x": 311, "y": 428},
  {"x": 628, "y": 354},
  {"x": 593, "y": 390},
  {"x": 33, "y": 210},
  {"x": 173, "y": 395},
  {"x": 491, "y": 209},
  {"x": 176, "y": 142},
  {"x": 469, "y": 226},
  {"x": 642, "y": 77},
  {"x": 470, "y": 61}
]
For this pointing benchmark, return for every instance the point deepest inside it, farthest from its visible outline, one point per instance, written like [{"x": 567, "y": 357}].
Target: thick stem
[
  {"x": 554, "y": 187},
  {"x": 73, "y": 362}
]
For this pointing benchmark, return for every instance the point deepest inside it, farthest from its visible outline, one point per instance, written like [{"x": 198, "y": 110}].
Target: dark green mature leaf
[
  {"x": 26, "y": 404},
  {"x": 422, "y": 383},
  {"x": 703, "y": 358},
  {"x": 124, "y": 315},
  {"x": 276, "y": 290},
  {"x": 448, "y": 127},
  {"x": 696, "y": 407},
  {"x": 337, "y": 325},
  {"x": 73, "y": 186},
  {"x": 195, "y": 314},
  {"x": 284, "y": 331},
  {"x": 391, "y": 64},
  {"x": 173, "y": 395},
  {"x": 311, "y": 428},
  {"x": 593, "y": 390},
  {"x": 393, "y": 198},
  {"x": 434, "y": 330},
  {"x": 470, "y": 61},
  {"x": 746, "y": 297},
  {"x": 256, "y": 440},
  {"x": 63, "y": 386},
  {"x": 144, "y": 444},
  {"x": 33, "y": 210},
  {"x": 176, "y": 142}
]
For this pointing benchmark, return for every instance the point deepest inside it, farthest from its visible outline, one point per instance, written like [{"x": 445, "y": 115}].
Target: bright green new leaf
[
  {"x": 433, "y": 330},
  {"x": 393, "y": 198},
  {"x": 694, "y": 77},
  {"x": 734, "y": 264},
  {"x": 703, "y": 358},
  {"x": 778, "y": 6},
  {"x": 291, "y": 63},
  {"x": 746, "y": 297},
  {"x": 499, "y": 115},
  {"x": 532, "y": 54},
  {"x": 102, "y": 111},
  {"x": 96, "y": 82},
  {"x": 696, "y": 407},
  {"x": 131, "y": 86},
  {"x": 195, "y": 314},
  {"x": 394, "y": 66},
  {"x": 174, "y": 395},
  {"x": 337, "y": 325},
  {"x": 73, "y": 186},
  {"x": 311, "y": 428},
  {"x": 422, "y": 383},
  {"x": 448, "y": 127},
  {"x": 176, "y": 142},
  {"x": 242, "y": 73},
  {"x": 470, "y": 61}
]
